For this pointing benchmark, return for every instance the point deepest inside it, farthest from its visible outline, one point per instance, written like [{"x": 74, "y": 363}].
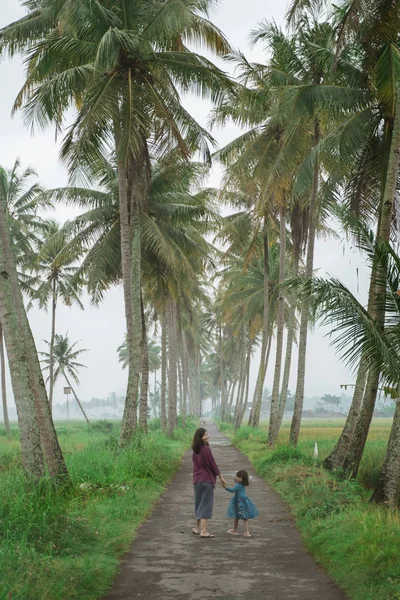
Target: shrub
[{"x": 102, "y": 426}]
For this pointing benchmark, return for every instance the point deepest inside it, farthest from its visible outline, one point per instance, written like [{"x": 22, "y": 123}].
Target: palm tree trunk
[
  {"x": 180, "y": 381},
  {"x": 288, "y": 357},
  {"x": 244, "y": 370},
  {"x": 163, "y": 410},
  {"x": 376, "y": 292},
  {"x": 172, "y": 367},
  {"x": 130, "y": 417},
  {"x": 251, "y": 419},
  {"x": 258, "y": 392},
  {"x": 274, "y": 424},
  {"x": 3, "y": 382},
  {"x": 192, "y": 392},
  {"x": 129, "y": 420},
  {"x": 231, "y": 395},
  {"x": 24, "y": 344},
  {"x": 222, "y": 377},
  {"x": 144, "y": 387},
  {"x": 184, "y": 389},
  {"x": 199, "y": 398},
  {"x": 241, "y": 381},
  {"x": 76, "y": 398},
  {"x": 31, "y": 449},
  {"x": 245, "y": 399},
  {"x": 357, "y": 445},
  {"x": 387, "y": 489},
  {"x": 336, "y": 458},
  {"x": 301, "y": 368},
  {"x": 53, "y": 335},
  {"x": 185, "y": 373}
]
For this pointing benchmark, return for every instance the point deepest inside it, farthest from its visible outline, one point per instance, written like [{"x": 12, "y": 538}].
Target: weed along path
[{"x": 167, "y": 561}]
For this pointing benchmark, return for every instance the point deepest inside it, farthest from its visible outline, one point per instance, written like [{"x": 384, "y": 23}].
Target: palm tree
[
  {"x": 240, "y": 299},
  {"x": 154, "y": 357},
  {"x": 57, "y": 280},
  {"x": 154, "y": 352},
  {"x": 124, "y": 71},
  {"x": 64, "y": 357},
  {"x": 357, "y": 333},
  {"x": 284, "y": 130},
  {"x": 299, "y": 228},
  {"x": 37, "y": 432},
  {"x": 23, "y": 200},
  {"x": 173, "y": 249},
  {"x": 367, "y": 142},
  {"x": 31, "y": 449},
  {"x": 151, "y": 364}
]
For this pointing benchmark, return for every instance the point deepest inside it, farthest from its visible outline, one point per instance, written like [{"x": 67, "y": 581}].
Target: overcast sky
[{"x": 101, "y": 329}]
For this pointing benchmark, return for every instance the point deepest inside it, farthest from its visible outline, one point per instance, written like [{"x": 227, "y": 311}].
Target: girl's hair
[
  {"x": 244, "y": 476},
  {"x": 197, "y": 440}
]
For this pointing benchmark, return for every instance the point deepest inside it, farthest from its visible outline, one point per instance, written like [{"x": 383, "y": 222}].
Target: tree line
[{"x": 320, "y": 142}]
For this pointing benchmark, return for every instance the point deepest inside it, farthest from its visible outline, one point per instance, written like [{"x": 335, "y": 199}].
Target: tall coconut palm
[
  {"x": 38, "y": 436},
  {"x": 242, "y": 298},
  {"x": 284, "y": 130},
  {"x": 372, "y": 29},
  {"x": 173, "y": 248},
  {"x": 63, "y": 355},
  {"x": 31, "y": 449},
  {"x": 356, "y": 334},
  {"x": 57, "y": 271},
  {"x": 126, "y": 64},
  {"x": 23, "y": 199},
  {"x": 154, "y": 351}
]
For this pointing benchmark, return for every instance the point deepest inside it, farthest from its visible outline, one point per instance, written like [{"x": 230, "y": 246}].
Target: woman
[{"x": 205, "y": 473}]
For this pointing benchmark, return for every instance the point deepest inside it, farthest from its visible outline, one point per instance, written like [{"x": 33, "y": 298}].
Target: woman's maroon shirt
[{"x": 205, "y": 469}]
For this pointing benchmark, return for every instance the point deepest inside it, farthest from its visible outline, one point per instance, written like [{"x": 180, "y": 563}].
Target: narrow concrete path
[{"x": 167, "y": 561}]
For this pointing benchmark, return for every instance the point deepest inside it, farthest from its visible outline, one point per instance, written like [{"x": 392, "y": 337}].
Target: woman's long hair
[{"x": 197, "y": 440}]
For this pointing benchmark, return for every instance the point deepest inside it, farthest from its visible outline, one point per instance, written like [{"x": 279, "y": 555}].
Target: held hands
[{"x": 223, "y": 482}]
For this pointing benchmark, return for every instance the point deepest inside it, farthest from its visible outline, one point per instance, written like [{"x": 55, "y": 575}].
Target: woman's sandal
[
  {"x": 247, "y": 534},
  {"x": 209, "y": 535},
  {"x": 194, "y": 530},
  {"x": 232, "y": 532}
]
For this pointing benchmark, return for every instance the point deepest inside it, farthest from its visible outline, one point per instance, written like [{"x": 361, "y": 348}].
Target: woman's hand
[{"x": 222, "y": 480}]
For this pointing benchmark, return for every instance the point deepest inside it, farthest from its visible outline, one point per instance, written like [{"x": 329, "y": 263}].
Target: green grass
[
  {"x": 62, "y": 545},
  {"x": 358, "y": 543}
]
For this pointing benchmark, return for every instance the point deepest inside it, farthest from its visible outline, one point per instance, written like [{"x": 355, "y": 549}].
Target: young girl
[{"x": 241, "y": 507}]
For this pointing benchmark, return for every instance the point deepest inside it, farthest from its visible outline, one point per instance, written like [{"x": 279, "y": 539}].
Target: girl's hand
[{"x": 223, "y": 482}]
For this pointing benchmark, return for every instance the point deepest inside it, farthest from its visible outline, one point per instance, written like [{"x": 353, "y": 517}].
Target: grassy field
[
  {"x": 64, "y": 546},
  {"x": 326, "y": 432},
  {"x": 356, "y": 542}
]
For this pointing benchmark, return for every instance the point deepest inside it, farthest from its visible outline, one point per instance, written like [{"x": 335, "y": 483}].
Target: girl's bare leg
[
  {"x": 235, "y": 526},
  {"x": 246, "y": 529}
]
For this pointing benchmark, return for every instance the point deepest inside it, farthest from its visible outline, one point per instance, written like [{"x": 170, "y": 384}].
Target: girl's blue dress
[{"x": 241, "y": 507}]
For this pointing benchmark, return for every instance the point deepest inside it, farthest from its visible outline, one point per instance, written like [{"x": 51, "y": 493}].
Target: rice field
[{"x": 325, "y": 432}]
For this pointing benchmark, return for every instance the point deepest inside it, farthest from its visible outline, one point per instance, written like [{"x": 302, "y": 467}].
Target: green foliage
[
  {"x": 356, "y": 542},
  {"x": 66, "y": 543},
  {"x": 225, "y": 427},
  {"x": 65, "y": 358},
  {"x": 102, "y": 426},
  {"x": 284, "y": 454}
]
